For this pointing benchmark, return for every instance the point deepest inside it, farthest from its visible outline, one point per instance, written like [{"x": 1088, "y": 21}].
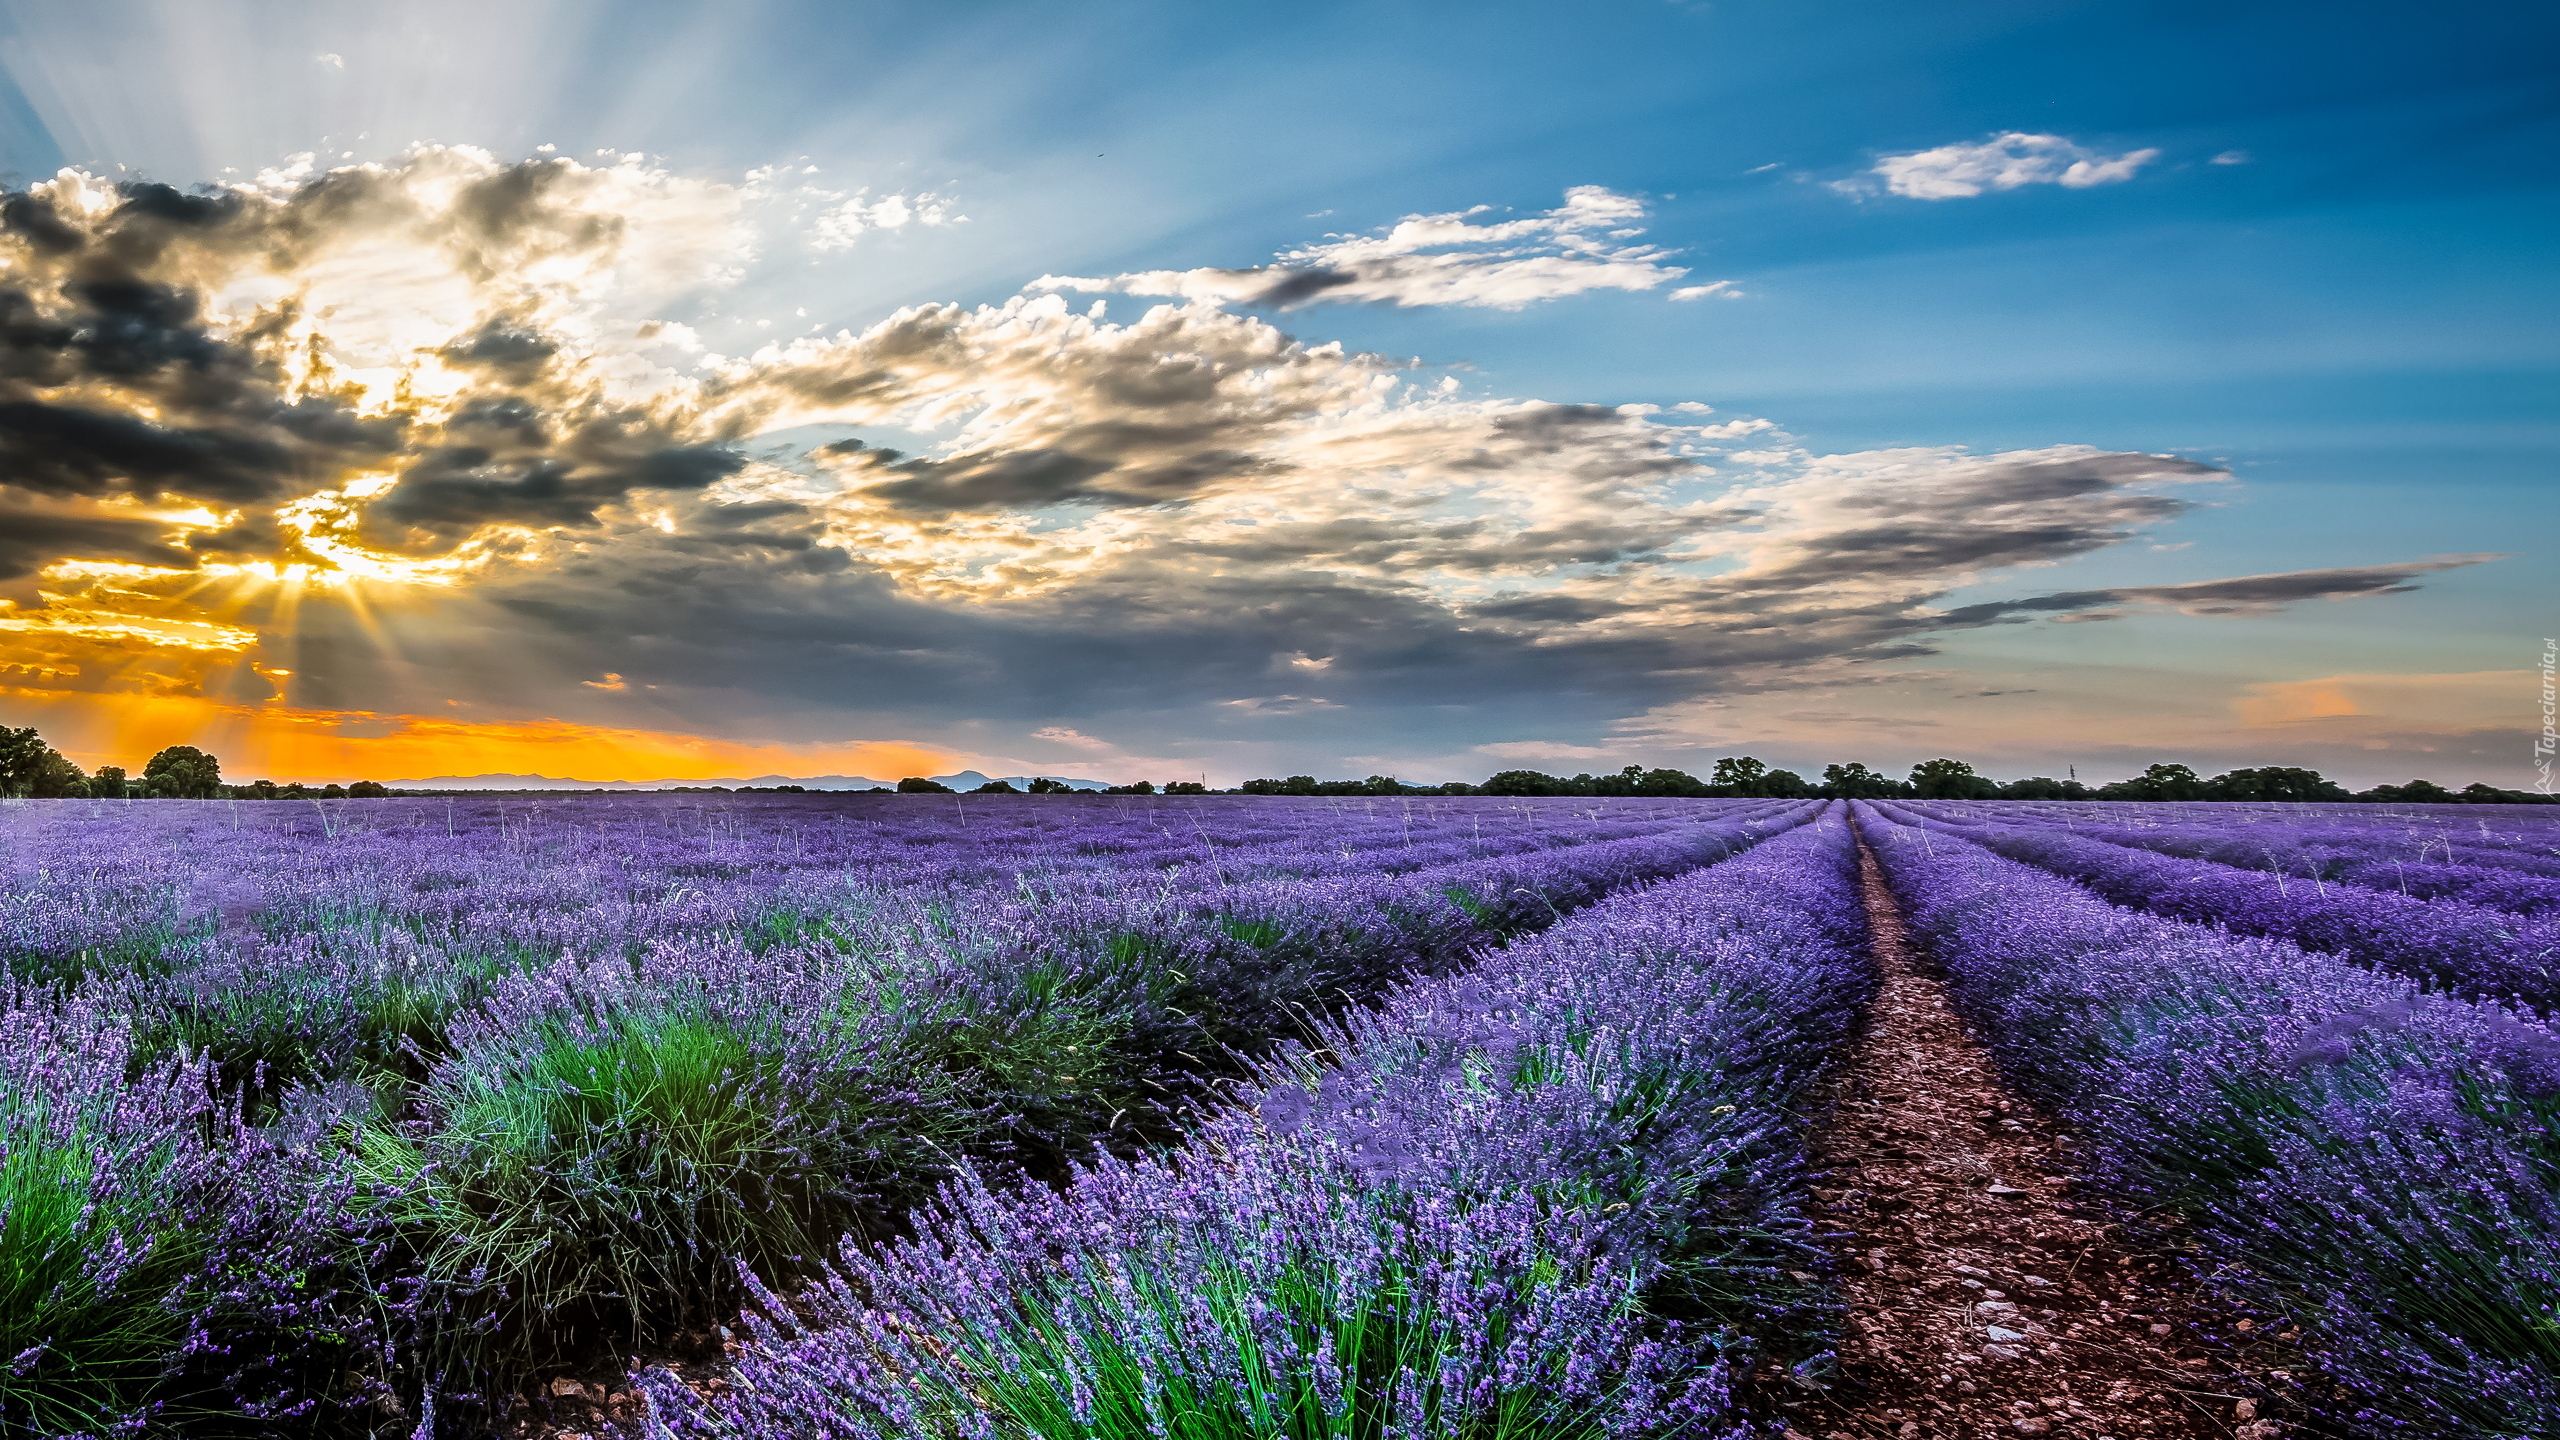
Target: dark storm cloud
[
  {"x": 32, "y": 219},
  {"x": 736, "y": 616},
  {"x": 1918, "y": 547},
  {"x": 114, "y": 382},
  {"x": 1886, "y": 527},
  {"x": 1553, "y": 432},
  {"x": 134, "y": 329},
  {"x": 457, "y": 489},
  {"x": 32, "y": 539},
  {"x": 537, "y": 199},
  {"x": 2028, "y": 481},
  {"x": 1461, "y": 546},
  {"x": 149, "y": 200},
  {"x": 2247, "y": 594},
  {"x": 1193, "y": 617},
  {"x": 1281, "y": 288},
  {"x": 1114, "y": 464},
  {"x": 504, "y": 347},
  {"x": 65, "y": 450},
  {"x": 1021, "y": 479}
]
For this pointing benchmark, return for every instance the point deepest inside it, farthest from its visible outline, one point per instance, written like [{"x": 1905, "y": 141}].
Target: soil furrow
[{"x": 1983, "y": 1298}]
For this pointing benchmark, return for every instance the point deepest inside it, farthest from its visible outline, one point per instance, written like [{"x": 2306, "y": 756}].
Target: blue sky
[{"x": 2331, "y": 277}]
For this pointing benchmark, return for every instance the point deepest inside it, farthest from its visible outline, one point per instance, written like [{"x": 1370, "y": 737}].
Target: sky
[{"x": 644, "y": 391}]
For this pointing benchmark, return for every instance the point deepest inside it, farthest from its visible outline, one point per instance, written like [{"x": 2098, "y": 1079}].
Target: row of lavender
[
  {"x": 2351, "y": 1153},
  {"x": 96, "y": 885},
  {"x": 2375, "y": 853},
  {"x": 239, "y": 1178},
  {"x": 2420, "y": 828},
  {"x": 294, "y": 948},
  {"x": 1562, "y": 1194},
  {"x": 2473, "y": 950}
]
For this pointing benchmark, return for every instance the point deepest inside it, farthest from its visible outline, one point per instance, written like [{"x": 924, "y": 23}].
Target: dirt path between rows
[{"x": 1983, "y": 1300}]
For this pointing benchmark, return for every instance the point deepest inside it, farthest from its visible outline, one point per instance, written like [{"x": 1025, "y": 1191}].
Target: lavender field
[
  {"x": 925, "y": 1116},
  {"x": 2344, "y": 1097}
]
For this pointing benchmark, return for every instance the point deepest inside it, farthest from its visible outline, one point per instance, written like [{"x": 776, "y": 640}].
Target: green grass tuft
[{"x": 84, "y": 1281}]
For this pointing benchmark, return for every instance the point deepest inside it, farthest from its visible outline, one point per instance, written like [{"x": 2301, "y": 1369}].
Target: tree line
[
  {"x": 918, "y": 785},
  {"x": 30, "y": 769},
  {"x": 1744, "y": 776}
]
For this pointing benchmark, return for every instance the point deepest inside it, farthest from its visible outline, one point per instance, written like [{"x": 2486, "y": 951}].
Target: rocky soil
[{"x": 1984, "y": 1297}]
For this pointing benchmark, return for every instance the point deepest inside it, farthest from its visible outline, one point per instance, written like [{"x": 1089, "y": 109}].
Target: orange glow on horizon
[{"x": 285, "y": 744}]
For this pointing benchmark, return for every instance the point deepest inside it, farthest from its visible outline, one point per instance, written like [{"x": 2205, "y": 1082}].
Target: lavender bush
[
  {"x": 2453, "y": 831},
  {"x": 2370, "y": 1161},
  {"x": 2466, "y": 948},
  {"x": 602, "y": 1137},
  {"x": 1557, "y": 1195},
  {"x": 524, "y": 879},
  {"x": 2425, "y": 865},
  {"x": 387, "y": 1104},
  {"x": 162, "y": 1265}
]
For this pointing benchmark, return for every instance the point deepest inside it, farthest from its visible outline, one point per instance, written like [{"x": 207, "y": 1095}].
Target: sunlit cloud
[
  {"x": 1544, "y": 751},
  {"x": 843, "y": 222},
  {"x": 2003, "y": 162},
  {"x": 333, "y": 449},
  {"x": 2478, "y": 699},
  {"x": 285, "y": 743},
  {"x": 1589, "y": 243}
]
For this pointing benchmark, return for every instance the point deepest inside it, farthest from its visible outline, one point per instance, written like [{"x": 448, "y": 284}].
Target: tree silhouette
[
  {"x": 1855, "y": 781},
  {"x": 185, "y": 772},
  {"x": 1949, "y": 780},
  {"x": 22, "y": 752}
]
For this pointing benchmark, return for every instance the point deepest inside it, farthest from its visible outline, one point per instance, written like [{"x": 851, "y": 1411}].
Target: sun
[{"x": 100, "y": 615}]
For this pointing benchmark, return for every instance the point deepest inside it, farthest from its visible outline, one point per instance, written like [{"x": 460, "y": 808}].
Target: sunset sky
[{"x": 648, "y": 391}]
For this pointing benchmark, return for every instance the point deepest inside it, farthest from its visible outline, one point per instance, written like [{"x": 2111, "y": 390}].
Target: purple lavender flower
[
  {"x": 2368, "y": 1159},
  {"x": 1386, "y": 1222}
]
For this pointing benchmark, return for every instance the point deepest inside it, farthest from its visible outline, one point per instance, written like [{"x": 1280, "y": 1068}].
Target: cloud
[
  {"x": 1877, "y": 521},
  {"x": 32, "y": 537},
  {"x": 1280, "y": 704},
  {"x": 428, "y": 331},
  {"x": 843, "y": 222},
  {"x": 1499, "y": 589},
  {"x": 1588, "y": 243},
  {"x": 2231, "y": 157},
  {"x": 2352, "y": 705},
  {"x": 1545, "y": 750},
  {"x": 451, "y": 430},
  {"x": 1720, "y": 290},
  {"x": 2242, "y": 595},
  {"x": 2004, "y": 162}
]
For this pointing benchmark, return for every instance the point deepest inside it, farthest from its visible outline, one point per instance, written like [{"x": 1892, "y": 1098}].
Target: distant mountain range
[{"x": 965, "y": 780}]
